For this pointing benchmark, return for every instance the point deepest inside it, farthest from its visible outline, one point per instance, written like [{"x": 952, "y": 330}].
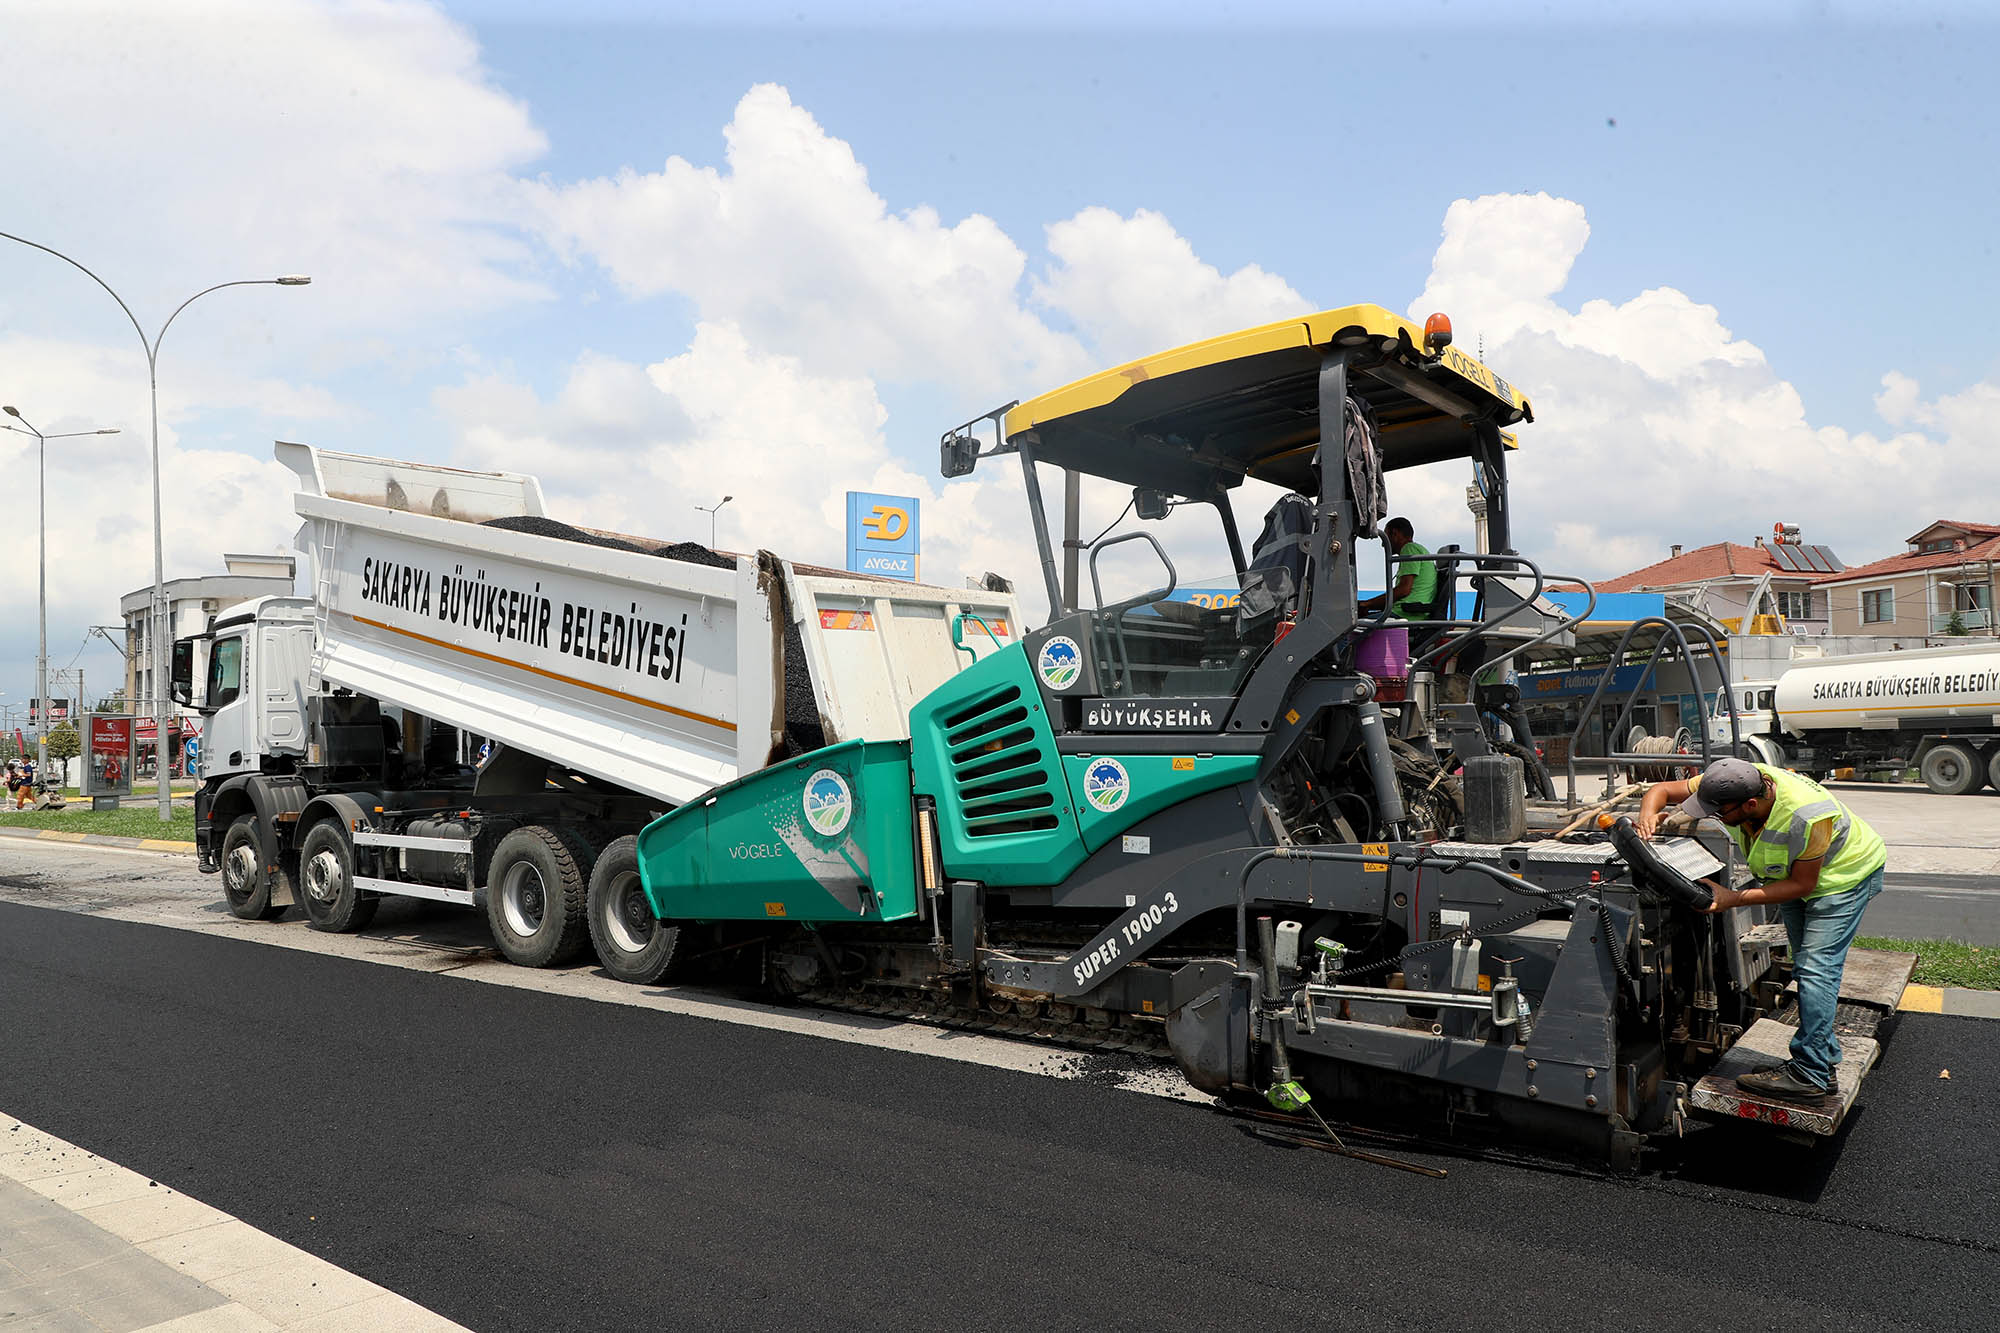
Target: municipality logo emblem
[
  {"x": 1106, "y": 784},
  {"x": 828, "y": 802},
  {"x": 1059, "y": 663}
]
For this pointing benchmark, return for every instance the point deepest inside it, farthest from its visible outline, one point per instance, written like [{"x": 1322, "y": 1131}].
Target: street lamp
[
  {"x": 710, "y": 511},
  {"x": 42, "y": 637},
  {"x": 159, "y": 608}
]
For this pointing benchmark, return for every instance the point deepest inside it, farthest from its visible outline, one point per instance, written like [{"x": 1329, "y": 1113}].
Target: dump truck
[
  {"x": 606, "y": 683},
  {"x": 1936, "y": 710},
  {"x": 1280, "y": 840}
]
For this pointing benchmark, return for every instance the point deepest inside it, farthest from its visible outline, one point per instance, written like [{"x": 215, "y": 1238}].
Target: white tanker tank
[{"x": 1936, "y": 708}]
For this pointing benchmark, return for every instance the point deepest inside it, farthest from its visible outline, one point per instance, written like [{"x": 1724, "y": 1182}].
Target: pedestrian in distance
[{"x": 1819, "y": 863}]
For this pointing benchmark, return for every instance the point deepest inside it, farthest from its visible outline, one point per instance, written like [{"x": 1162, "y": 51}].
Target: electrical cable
[{"x": 1113, "y": 523}]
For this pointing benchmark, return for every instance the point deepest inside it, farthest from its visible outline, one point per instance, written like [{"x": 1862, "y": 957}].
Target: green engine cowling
[
  {"x": 1014, "y": 811},
  {"x": 823, "y": 838}
]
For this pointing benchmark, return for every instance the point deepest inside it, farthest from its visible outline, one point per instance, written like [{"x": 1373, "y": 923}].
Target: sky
[{"x": 1741, "y": 258}]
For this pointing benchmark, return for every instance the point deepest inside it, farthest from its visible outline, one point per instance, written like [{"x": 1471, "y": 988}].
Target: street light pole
[
  {"x": 710, "y": 511},
  {"x": 42, "y": 610},
  {"x": 159, "y": 600}
]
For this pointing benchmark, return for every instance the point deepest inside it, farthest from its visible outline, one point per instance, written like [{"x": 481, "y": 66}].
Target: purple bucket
[{"x": 1384, "y": 651}]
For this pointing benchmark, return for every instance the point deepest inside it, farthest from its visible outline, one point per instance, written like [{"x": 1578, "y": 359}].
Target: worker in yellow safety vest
[{"x": 1819, "y": 863}]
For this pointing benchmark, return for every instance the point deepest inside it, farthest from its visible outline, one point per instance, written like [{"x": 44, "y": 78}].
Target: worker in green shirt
[{"x": 1416, "y": 580}]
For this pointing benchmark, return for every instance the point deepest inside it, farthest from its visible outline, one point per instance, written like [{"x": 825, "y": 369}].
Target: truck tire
[
  {"x": 244, "y": 881},
  {"x": 1952, "y": 769},
  {"x": 326, "y": 881},
  {"x": 1993, "y": 767},
  {"x": 632, "y": 943},
  {"x": 537, "y": 890}
]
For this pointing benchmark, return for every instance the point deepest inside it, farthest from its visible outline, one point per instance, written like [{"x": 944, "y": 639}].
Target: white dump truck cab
[{"x": 247, "y": 675}]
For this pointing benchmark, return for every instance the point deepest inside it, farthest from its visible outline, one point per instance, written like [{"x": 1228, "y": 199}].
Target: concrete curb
[
  {"x": 101, "y": 1246},
  {"x": 164, "y": 845},
  {"x": 1954, "y": 1000}
]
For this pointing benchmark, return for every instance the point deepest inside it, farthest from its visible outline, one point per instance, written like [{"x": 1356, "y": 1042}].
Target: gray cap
[{"x": 1724, "y": 782}]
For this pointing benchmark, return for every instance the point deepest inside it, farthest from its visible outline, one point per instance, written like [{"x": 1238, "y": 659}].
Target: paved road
[
  {"x": 1928, "y": 833},
  {"x": 1918, "y": 906},
  {"x": 524, "y": 1160}
]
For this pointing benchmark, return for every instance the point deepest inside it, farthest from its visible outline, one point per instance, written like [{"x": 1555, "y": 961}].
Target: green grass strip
[
  {"x": 128, "y": 821},
  {"x": 1944, "y": 962}
]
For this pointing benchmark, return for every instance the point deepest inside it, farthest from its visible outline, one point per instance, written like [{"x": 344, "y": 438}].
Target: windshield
[{"x": 1165, "y": 598}]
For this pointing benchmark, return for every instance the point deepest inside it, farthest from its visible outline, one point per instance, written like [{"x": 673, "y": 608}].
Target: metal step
[
  {"x": 1768, "y": 1042},
  {"x": 1770, "y": 935},
  {"x": 1874, "y": 977}
]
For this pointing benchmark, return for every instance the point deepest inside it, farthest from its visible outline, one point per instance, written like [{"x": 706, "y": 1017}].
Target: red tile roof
[
  {"x": 1908, "y": 563},
  {"x": 1720, "y": 560},
  {"x": 1976, "y": 529}
]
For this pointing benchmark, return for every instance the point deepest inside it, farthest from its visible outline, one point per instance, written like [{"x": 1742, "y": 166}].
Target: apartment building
[{"x": 1947, "y": 572}]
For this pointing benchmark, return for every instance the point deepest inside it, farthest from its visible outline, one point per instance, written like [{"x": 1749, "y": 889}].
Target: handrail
[
  {"x": 1130, "y": 605},
  {"x": 1612, "y": 665},
  {"x": 958, "y": 632},
  {"x": 1481, "y": 559}
]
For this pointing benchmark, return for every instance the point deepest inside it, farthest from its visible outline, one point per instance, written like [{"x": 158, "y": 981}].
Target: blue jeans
[{"x": 1820, "y": 931}]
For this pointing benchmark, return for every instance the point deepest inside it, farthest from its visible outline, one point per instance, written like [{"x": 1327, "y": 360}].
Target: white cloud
[
  {"x": 641, "y": 446},
  {"x": 1135, "y": 285},
  {"x": 170, "y": 146},
  {"x": 792, "y": 245},
  {"x": 1657, "y": 425},
  {"x": 360, "y": 142},
  {"x": 100, "y": 498}
]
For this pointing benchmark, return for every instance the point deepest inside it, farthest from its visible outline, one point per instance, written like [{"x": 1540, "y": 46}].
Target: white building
[{"x": 190, "y": 603}]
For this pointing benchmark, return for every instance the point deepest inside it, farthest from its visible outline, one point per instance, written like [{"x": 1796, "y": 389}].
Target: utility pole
[{"x": 160, "y": 628}]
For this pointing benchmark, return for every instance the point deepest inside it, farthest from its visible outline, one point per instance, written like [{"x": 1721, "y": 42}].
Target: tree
[
  {"x": 1956, "y": 625},
  {"x": 64, "y": 743}
]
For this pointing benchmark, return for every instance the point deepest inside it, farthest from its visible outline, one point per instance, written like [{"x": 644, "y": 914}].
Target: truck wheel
[
  {"x": 1993, "y": 767},
  {"x": 632, "y": 943},
  {"x": 1952, "y": 769},
  {"x": 244, "y": 882},
  {"x": 536, "y": 893},
  {"x": 326, "y": 881}
]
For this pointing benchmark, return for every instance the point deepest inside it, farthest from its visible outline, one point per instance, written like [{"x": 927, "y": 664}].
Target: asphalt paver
[{"x": 516, "y": 1160}]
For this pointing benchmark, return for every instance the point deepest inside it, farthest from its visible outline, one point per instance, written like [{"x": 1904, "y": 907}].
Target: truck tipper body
[
  {"x": 600, "y": 686},
  {"x": 1935, "y": 709}
]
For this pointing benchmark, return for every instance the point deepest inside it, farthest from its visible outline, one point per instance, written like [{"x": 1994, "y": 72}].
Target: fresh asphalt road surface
[{"x": 522, "y": 1160}]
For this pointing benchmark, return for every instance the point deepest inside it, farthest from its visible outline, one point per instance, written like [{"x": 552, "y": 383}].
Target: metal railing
[
  {"x": 1673, "y": 635},
  {"x": 1971, "y": 619}
]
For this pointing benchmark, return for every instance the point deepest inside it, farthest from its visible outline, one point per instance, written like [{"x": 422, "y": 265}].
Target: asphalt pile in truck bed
[{"x": 803, "y": 729}]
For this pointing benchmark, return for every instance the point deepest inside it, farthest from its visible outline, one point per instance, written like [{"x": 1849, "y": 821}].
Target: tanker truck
[{"x": 1935, "y": 709}]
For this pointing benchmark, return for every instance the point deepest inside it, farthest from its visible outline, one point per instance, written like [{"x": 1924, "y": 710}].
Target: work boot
[{"x": 1782, "y": 1081}]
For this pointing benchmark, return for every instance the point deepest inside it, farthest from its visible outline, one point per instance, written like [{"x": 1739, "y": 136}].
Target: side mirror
[
  {"x": 1148, "y": 503},
  {"x": 181, "y": 682},
  {"x": 958, "y": 455}
]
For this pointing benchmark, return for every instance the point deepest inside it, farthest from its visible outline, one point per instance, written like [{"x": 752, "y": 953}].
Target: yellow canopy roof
[{"x": 1247, "y": 404}]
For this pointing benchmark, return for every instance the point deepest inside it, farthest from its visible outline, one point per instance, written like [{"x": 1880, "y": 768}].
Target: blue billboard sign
[{"x": 882, "y": 535}]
